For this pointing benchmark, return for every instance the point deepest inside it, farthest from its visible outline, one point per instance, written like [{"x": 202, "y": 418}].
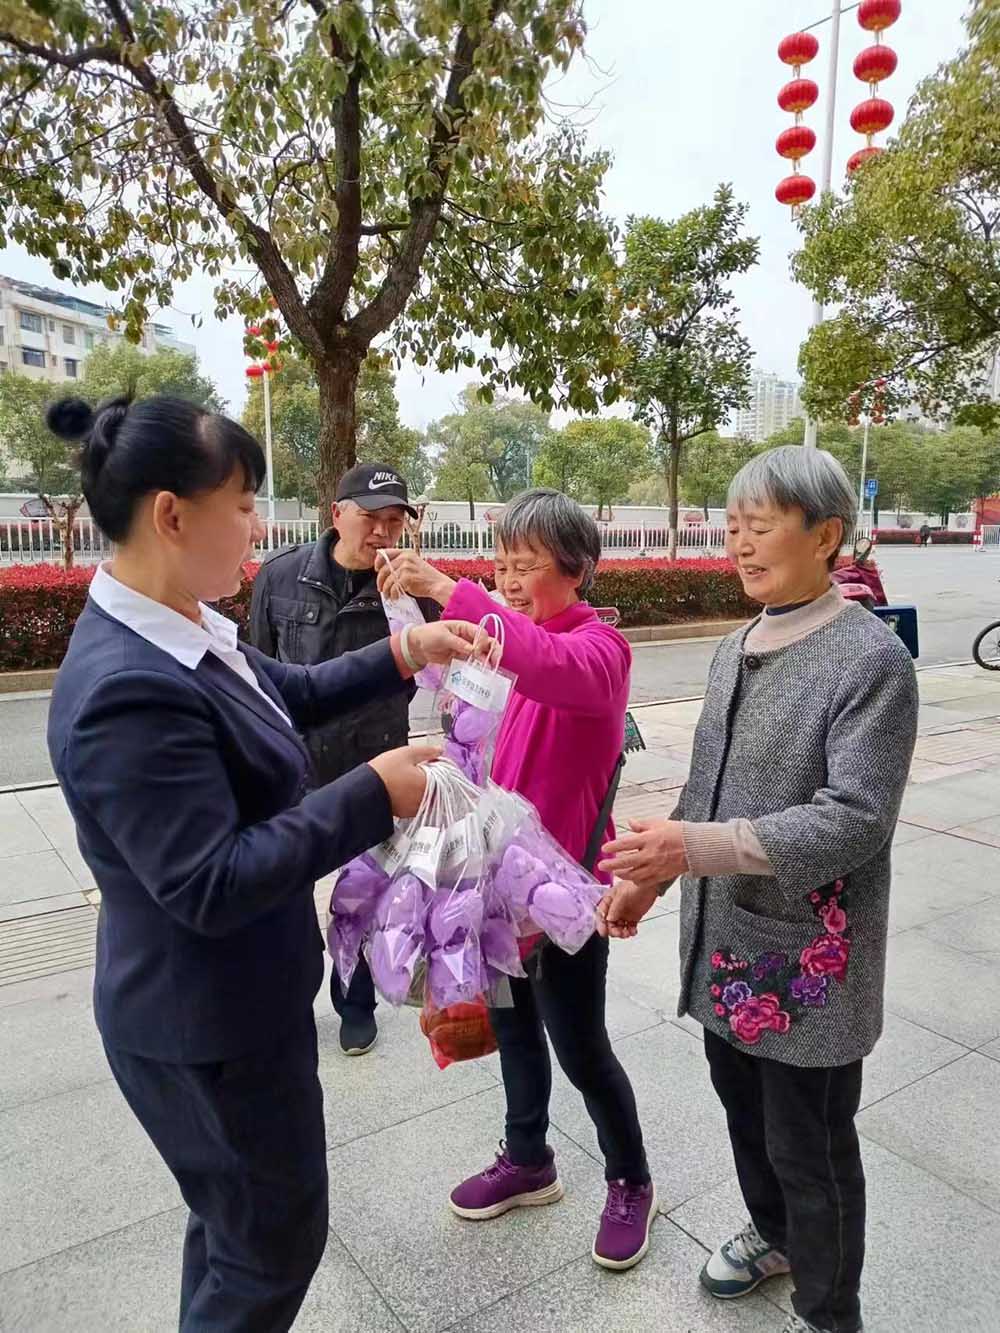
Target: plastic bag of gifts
[
  {"x": 472, "y": 702},
  {"x": 400, "y": 611},
  {"x": 426, "y": 898}
]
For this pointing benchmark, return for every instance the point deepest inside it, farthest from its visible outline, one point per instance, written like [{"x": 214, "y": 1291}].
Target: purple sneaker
[
  {"x": 623, "y": 1238},
  {"x": 504, "y": 1186}
]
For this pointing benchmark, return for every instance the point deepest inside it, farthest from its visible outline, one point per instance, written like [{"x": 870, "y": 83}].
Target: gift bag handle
[{"x": 603, "y": 815}]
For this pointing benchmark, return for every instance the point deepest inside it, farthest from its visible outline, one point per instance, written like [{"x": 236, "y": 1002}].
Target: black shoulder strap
[{"x": 603, "y": 815}]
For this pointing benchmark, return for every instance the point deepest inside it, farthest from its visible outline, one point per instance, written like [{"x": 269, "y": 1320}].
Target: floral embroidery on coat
[{"x": 769, "y": 993}]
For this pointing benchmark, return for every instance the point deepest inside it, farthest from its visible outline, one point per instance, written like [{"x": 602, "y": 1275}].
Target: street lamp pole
[
  {"x": 864, "y": 469},
  {"x": 826, "y": 180},
  {"x": 269, "y": 455}
]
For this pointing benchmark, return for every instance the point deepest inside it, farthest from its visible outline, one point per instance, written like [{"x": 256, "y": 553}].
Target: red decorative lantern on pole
[
  {"x": 796, "y": 96},
  {"x": 263, "y": 370},
  {"x": 872, "y": 66}
]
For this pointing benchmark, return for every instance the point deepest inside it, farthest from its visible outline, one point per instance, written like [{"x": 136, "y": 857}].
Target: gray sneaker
[
  {"x": 796, "y": 1324},
  {"x": 741, "y": 1264}
]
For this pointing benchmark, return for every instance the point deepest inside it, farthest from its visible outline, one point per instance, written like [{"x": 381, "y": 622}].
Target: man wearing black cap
[{"x": 313, "y": 602}]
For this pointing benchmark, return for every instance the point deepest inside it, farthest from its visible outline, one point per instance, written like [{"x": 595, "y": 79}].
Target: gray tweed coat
[{"x": 811, "y": 742}]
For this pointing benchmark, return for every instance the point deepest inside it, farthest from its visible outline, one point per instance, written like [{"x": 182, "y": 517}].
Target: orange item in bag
[{"x": 460, "y": 1032}]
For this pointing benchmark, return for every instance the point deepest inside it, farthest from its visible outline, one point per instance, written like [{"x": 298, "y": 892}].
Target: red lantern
[
  {"x": 798, "y": 95},
  {"x": 795, "y": 190},
  {"x": 877, "y": 15},
  {"x": 861, "y": 156},
  {"x": 872, "y": 116},
  {"x": 272, "y": 346},
  {"x": 798, "y": 49},
  {"x": 253, "y": 331},
  {"x": 254, "y": 372},
  {"x": 795, "y": 142},
  {"x": 875, "y": 63}
]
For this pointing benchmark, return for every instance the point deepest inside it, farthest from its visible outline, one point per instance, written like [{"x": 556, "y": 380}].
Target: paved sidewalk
[{"x": 91, "y": 1223}]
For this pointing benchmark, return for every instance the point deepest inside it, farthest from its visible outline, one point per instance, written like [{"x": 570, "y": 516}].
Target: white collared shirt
[{"x": 175, "y": 634}]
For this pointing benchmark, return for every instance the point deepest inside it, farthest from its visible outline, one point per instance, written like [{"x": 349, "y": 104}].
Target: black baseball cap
[{"x": 374, "y": 486}]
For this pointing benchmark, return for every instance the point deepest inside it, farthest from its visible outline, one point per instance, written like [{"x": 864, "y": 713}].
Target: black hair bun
[{"x": 70, "y": 418}]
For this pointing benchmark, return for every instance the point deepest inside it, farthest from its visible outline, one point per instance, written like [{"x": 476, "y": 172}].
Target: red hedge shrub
[{"x": 39, "y": 604}]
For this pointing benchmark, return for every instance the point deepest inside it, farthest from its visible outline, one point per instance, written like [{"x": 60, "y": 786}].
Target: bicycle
[{"x": 986, "y": 649}]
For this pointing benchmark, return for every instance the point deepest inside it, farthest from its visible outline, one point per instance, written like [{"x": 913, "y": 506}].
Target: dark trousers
[
  {"x": 799, "y": 1166},
  {"x": 360, "y": 998},
  {"x": 565, "y": 996},
  {"x": 245, "y": 1141}
]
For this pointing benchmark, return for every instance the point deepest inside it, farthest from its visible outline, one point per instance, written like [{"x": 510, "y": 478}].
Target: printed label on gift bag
[
  {"x": 479, "y": 685},
  {"x": 462, "y": 848},
  {"x": 389, "y": 854},
  {"x": 423, "y": 856}
]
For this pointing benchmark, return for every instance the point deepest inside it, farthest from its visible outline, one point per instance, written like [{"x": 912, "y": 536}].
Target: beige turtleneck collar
[{"x": 771, "y": 632}]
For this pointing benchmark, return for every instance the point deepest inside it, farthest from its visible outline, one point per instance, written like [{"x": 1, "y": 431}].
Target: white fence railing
[
  {"x": 990, "y": 535},
  {"x": 35, "y": 541}
]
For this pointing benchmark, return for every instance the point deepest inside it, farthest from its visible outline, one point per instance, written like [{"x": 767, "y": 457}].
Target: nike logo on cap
[{"x": 376, "y": 485}]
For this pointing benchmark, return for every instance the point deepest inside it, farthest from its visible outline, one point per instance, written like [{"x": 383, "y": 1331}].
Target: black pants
[
  {"x": 565, "y": 996},
  {"x": 246, "y": 1143},
  {"x": 799, "y": 1166},
  {"x": 360, "y": 998}
]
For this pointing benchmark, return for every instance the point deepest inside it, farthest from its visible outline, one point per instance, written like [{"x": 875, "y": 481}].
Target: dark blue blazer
[{"x": 190, "y": 796}]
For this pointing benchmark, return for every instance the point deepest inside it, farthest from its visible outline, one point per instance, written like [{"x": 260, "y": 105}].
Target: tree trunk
[
  {"x": 338, "y": 381},
  {"x": 673, "y": 471},
  {"x": 472, "y": 506}
]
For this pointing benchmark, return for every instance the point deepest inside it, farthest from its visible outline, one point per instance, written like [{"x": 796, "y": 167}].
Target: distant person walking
[{"x": 924, "y": 535}]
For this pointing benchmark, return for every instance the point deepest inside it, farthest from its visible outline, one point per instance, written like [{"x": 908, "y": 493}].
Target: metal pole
[
  {"x": 269, "y": 454},
  {"x": 826, "y": 179},
  {"x": 864, "y": 469}
]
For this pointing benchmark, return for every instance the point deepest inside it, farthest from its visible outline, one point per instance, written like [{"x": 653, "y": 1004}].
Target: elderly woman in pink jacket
[{"x": 559, "y": 747}]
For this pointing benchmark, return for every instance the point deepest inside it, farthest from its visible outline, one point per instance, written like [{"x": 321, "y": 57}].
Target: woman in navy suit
[{"x": 179, "y": 755}]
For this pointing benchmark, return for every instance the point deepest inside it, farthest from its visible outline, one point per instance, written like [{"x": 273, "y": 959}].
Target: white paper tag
[
  {"x": 479, "y": 685},
  {"x": 462, "y": 848},
  {"x": 423, "y": 855},
  {"x": 389, "y": 854}
]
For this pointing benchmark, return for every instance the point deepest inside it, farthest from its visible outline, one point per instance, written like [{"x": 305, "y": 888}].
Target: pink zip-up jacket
[{"x": 565, "y": 722}]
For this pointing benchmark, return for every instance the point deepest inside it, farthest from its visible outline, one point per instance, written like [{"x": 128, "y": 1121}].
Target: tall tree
[
  {"x": 911, "y": 254},
  {"x": 461, "y": 473},
  {"x": 503, "y": 436},
  {"x": 33, "y": 455},
  {"x": 112, "y": 369},
  {"x": 960, "y": 465},
  {"x": 296, "y": 424},
  {"x": 689, "y": 365},
  {"x": 595, "y": 459},
  {"x": 377, "y": 167},
  {"x": 709, "y": 464}
]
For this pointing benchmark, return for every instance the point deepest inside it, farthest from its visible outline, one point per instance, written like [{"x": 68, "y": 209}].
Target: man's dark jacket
[{"x": 298, "y": 615}]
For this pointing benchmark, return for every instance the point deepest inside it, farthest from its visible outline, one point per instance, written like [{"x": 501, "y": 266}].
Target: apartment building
[
  {"x": 773, "y": 404},
  {"x": 47, "y": 334}
]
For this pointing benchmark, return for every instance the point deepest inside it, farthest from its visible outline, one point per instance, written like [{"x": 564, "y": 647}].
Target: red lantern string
[
  {"x": 873, "y": 65},
  {"x": 799, "y": 140}
]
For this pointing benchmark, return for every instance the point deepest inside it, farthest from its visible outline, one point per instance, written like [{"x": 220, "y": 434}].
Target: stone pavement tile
[
  {"x": 684, "y": 714},
  {"x": 950, "y": 802},
  {"x": 388, "y": 1204},
  {"x": 659, "y": 735},
  {"x": 19, "y": 834},
  {"x": 50, "y": 1045},
  {"x": 61, "y": 902},
  {"x": 662, "y": 1294},
  {"x": 48, "y": 809},
  {"x": 940, "y": 988},
  {"x": 77, "y": 866},
  {"x": 938, "y": 875},
  {"x": 905, "y": 1053},
  {"x": 683, "y": 1124},
  {"x": 986, "y": 831},
  {"x": 975, "y": 930},
  {"x": 909, "y": 833},
  {"x": 655, "y": 765},
  {"x": 910, "y": 1216},
  {"x": 124, "y": 1282},
  {"x": 972, "y": 707},
  {"x": 934, "y": 718},
  {"x": 395, "y": 1082},
  {"x": 32, "y": 876},
  {"x": 646, "y": 970},
  {"x": 944, "y": 1124},
  {"x": 54, "y": 986},
  {"x": 129, "y": 1282},
  {"x": 74, "y": 1167}
]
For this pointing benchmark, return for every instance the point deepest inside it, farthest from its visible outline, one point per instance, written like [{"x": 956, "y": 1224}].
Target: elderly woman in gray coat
[{"x": 782, "y": 836}]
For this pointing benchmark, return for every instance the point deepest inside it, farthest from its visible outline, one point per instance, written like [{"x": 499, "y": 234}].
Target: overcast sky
[{"x": 682, "y": 92}]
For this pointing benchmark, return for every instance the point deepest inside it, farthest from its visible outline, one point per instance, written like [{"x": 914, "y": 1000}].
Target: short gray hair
[
  {"x": 551, "y": 520},
  {"x": 794, "y": 477}
]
